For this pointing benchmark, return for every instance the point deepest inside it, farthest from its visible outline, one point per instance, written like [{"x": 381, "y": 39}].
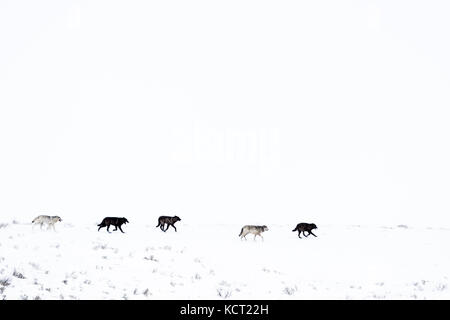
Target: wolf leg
[
  {"x": 120, "y": 229},
  {"x": 173, "y": 227},
  {"x": 313, "y": 234}
]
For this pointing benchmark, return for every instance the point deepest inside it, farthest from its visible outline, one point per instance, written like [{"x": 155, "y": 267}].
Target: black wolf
[
  {"x": 308, "y": 227},
  {"x": 170, "y": 221},
  {"x": 116, "y": 222}
]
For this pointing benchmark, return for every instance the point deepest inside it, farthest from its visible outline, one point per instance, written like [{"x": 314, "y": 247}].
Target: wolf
[
  {"x": 255, "y": 230},
  {"x": 49, "y": 220},
  {"x": 302, "y": 227},
  {"x": 116, "y": 222},
  {"x": 170, "y": 221}
]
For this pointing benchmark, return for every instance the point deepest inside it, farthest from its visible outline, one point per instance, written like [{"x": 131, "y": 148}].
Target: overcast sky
[{"x": 244, "y": 111}]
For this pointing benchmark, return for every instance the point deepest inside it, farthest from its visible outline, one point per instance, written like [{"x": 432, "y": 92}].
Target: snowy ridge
[{"x": 211, "y": 262}]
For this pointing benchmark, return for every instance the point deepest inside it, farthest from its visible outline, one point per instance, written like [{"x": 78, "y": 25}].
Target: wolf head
[
  {"x": 265, "y": 228},
  {"x": 56, "y": 218},
  {"x": 125, "y": 220},
  {"x": 313, "y": 226},
  {"x": 176, "y": 218}
]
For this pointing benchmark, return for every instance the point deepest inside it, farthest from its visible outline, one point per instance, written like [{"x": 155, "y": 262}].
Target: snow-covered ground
[{"x": 211, "y": 262}]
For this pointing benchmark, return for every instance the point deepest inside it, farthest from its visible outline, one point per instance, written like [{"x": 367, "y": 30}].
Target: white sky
[{"x": 250, "y": 111}]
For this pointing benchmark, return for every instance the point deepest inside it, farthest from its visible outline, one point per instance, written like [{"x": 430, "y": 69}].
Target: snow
[
  {"x": 227, "y": 113},
  {"x": 209, "y": 261}
]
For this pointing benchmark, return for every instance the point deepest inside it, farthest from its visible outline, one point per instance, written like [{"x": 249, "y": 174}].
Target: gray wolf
[
  {"x": 305, "y": 227},
  {"x": 48, "y": 220},
  {"x": 170, "y": 221},
  {"x": 255, "y": 230},
  {"x": 116, "y": 222}
]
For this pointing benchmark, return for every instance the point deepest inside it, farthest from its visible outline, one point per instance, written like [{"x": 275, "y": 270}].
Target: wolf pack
[{"x": 164, "y": 222}]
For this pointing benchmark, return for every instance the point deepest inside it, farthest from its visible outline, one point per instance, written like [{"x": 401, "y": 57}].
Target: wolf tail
[
  {"x": 242, "y": 230},
  {"x": 295, "y": 229},
  {"x": 159, "y": 223}
]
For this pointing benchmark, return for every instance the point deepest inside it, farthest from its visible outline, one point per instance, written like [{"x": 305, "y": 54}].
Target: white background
[{"x": 250, "y": 111}]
